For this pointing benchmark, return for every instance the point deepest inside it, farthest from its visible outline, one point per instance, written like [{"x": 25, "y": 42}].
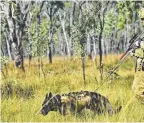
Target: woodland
[{"x": 65, "y": 46}]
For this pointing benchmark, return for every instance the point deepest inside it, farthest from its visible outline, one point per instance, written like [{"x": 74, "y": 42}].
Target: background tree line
[{"x": 39, "y": 29}]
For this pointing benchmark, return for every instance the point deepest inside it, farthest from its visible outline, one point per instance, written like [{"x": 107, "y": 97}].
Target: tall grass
[{"x": 23, "y": 93}]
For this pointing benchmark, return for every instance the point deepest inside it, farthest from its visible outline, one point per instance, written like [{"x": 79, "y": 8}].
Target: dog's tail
[
  {"x": 117, "y": 110},
  {"x": 112, "y": 111}
]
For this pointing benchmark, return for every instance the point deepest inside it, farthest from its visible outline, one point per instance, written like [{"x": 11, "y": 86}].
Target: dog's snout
[{"x": 42, "y": 112}]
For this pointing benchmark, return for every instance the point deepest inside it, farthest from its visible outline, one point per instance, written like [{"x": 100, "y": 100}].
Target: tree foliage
[{"x": 47, "y": 28}]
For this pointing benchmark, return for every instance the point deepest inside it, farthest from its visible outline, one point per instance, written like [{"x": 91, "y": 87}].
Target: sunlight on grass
[{"x": 23, "y": 93}]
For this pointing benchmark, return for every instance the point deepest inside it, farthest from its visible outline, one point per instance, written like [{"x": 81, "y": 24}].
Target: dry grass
[{"x": 23, "y": 93}]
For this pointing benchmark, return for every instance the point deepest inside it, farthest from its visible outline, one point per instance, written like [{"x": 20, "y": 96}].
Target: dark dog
[{"x": 76, "y": 102}]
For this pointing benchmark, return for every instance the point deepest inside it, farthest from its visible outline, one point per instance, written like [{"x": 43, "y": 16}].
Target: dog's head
[{"x": 50, "y": 103}]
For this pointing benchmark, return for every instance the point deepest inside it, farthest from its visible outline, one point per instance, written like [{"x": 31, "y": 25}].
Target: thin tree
[
  {"x": 51, "y": 7},
  {"x": 15, "y": 14},
  {"x": 101, "y": 16}
]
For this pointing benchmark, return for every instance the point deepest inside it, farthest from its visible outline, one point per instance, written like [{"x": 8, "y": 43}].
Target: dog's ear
[
  {"x": 50, "y": 95},
  {"x": 46, "y": 95}
]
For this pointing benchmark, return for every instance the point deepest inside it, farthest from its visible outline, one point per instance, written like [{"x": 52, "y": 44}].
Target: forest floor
[{"x": 23, "y": 93}]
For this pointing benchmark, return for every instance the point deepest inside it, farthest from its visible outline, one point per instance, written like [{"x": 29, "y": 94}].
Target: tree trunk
[
  {"x": 50, "y": 53},
  {"x": 50, "y": 40},
  {"x": 30, "y": 48},
  {"x": 66, "y": 39},
  {"x": 100, "y": 53},
  {"x": 83, "y": 67},
  {"x": 18, "y": 56},
  {"x": 94, "y": 50},
  {"x": 8, "y": 46},
  {"x": 89, "y": 46},
  {"x": 100, "y": 44},
  {"x": 83, "y": 62}
]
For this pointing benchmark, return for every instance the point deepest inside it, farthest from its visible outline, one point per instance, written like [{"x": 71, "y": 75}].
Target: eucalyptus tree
[
  {"x": 101, "y": 15},
  {"x": 14, "y": 20},
  {"x": 94, "y": 26},
  {"x": 50, "y": 9},
  {"x": 86, "y": 26},
  {"x": 66, "y": 19},
  {"x": 79, "y": 31},
  {"x": 33, "y": 32},
  {"x": 5, "y": 45}
]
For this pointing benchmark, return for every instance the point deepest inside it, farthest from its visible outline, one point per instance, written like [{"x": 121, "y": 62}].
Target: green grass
[{"x": 23, "y": 93}]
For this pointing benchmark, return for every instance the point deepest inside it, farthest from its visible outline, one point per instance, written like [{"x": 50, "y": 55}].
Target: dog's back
[{"x": 91, "y": 100}]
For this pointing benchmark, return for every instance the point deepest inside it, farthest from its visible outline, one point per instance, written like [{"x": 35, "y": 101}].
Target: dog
[{"x": 75, "y": 102}]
